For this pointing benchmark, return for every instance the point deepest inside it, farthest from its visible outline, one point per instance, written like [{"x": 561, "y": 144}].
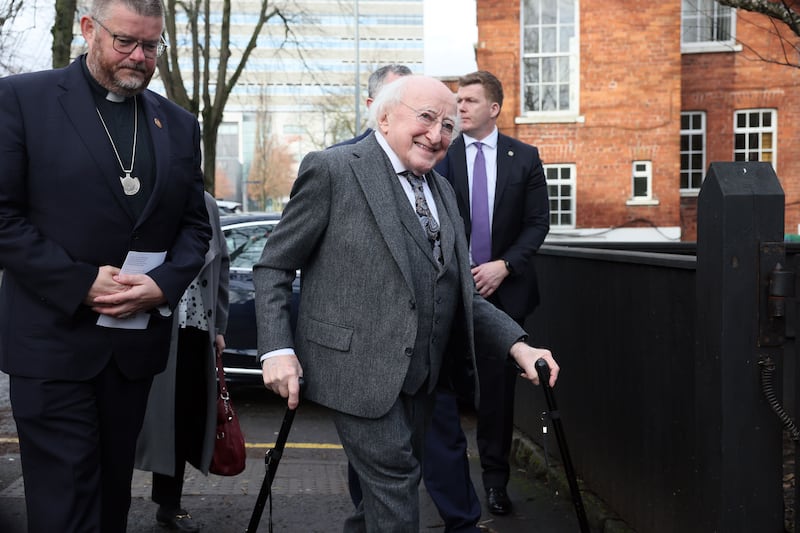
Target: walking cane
[
  {"x": 544, "y": 379},
  {"x": 271, "y": 460}
]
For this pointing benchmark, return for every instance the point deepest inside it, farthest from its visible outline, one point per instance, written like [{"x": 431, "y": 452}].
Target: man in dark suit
[
  {"x": 94, "y": 169},
  {"x": 505, "y": 223},
  {"x": 386, "y": 280}
]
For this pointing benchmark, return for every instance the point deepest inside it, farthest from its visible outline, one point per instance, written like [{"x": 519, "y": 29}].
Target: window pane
[
  {"x": 549, "y": 11},
  {"x": 766, "y": 141},
  {"x": 530, "y": 11},
  {"x": 531, "y": 40},
  {"x": 549, "y": 69},
  {"x": 563, "y": 96},
  {"x": 549, "y": 102},
  {"x": 532, "y": 98},
  {"x": 531, "y": 70},
  {"x": 564, "y": 37},
  {"x": 639, "y": 187}
]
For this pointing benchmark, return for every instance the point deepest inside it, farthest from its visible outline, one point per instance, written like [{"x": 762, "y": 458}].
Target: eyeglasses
[
  {"x": 126, "y": 45},
  {"x": 429, "y": 118}
]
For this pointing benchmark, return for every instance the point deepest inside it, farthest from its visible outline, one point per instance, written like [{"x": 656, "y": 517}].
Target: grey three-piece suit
[{"x": 376, "y": 310}]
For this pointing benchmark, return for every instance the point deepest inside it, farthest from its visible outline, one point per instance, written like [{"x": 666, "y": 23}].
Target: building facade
[
  {"x": 304, "y": 89},
  {"x": 629, "y": 101}
]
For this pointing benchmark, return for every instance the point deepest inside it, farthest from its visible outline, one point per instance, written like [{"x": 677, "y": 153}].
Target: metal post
[{"x": 358, "y": 74}]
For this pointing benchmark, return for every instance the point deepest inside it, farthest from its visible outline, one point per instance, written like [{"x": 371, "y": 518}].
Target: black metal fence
[{"x": 663, "y": 349}]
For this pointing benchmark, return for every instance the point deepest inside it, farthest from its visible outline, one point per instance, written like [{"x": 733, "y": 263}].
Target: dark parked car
[{"x": 246, "y": 234}]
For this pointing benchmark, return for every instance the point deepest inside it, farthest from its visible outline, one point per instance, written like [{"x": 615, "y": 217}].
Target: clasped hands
[{"x": 123, "y": 295}]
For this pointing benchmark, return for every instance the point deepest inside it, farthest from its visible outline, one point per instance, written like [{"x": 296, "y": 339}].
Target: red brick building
[{"x": 629, "y": 101}]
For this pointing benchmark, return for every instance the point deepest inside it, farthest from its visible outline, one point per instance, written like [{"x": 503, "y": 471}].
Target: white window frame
[
  {"x": 707, "y": 12},
  {"x": 571, "y": 55},
  {"x": 690, "y": 153},
  {"x": 642, "y": 170},
  {"x": 557, "y": 182},
  {"x": 748, "y": 130}
]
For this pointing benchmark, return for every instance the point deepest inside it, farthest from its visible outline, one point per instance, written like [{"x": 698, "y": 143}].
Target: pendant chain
[{"x": 135, "y": 131}]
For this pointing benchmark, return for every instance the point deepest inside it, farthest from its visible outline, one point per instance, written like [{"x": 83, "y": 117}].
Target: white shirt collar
[
  {"x": 397, "y": 165},
  {"x": 490, "y": 140}
]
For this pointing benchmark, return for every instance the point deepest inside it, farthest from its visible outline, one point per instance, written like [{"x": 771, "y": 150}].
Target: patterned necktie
[
  {"x": 429, "y": 223},
  {"x": 481, "y": 237}
]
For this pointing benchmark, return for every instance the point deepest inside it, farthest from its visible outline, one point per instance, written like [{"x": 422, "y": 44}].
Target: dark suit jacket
[
  {"x": 360, "y": 137},
  {"x": 63, "y": 214},
  {"x": 358, "y": 313},
  {"x": 521, "y": 217}
]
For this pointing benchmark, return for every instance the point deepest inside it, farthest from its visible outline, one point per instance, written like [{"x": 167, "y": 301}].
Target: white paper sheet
[{"x": 135, "y": 263}]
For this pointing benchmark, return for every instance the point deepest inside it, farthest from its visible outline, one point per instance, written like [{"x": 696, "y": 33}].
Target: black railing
[{"x": 661, "y": 349}]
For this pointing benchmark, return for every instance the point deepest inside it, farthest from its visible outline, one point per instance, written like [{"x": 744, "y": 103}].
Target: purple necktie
[{"x": 481, "y": 238}]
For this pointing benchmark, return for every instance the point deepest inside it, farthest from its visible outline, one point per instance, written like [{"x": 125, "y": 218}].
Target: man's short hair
[
  {"x": 145, "y": 8},
  {"x": 492, "y": 86},
  {"x": 377, "y": 78}
]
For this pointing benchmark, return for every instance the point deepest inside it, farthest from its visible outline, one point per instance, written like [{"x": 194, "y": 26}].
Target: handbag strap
[{"x": 223, "y": 388}]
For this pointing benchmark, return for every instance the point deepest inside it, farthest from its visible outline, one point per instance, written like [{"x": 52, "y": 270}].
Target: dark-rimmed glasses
[
  {"x": 126, "y": 45},
  {"x": 429, "y": 118}
]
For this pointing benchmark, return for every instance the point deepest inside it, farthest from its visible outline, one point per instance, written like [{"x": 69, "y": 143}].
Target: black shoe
[
  {"x": 497, "y": 501},
  {"x": 177, "y": 519}
]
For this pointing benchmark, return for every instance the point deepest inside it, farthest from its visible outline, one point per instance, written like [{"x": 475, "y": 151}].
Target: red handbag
[{"x": 229, "y": 454}]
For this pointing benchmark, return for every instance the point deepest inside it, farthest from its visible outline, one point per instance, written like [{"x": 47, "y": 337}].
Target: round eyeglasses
[{"x": 449, "y": 128}]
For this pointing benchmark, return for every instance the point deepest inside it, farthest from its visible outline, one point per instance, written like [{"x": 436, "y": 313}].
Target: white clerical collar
[{"x": 114, "y": 97}]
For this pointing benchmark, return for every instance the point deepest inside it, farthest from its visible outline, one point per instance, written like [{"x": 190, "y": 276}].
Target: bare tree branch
[
  {"x": 9, "y": 9},
  {"x": 783, "y": 10}
]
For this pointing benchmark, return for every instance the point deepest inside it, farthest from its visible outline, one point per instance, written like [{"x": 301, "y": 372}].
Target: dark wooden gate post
[{"x": 738, "y": 459}]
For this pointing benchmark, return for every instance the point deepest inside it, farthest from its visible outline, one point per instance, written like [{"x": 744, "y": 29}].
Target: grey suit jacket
[{"x": 357, "y": 319}]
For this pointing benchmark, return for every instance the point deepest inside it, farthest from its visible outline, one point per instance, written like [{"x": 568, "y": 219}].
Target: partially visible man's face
[
  {"x": 125, "y": 74},
  {"x": 419, "y": 145},
  {"x": 478, "y": 115}
]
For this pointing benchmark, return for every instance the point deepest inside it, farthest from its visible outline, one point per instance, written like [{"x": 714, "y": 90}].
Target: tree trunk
[{"x": 62, "y": 32}]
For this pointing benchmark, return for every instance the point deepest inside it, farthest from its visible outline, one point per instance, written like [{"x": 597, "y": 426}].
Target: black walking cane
[
  {"x": 271, "y": 460},
  {"x": 544, "y": 379}
]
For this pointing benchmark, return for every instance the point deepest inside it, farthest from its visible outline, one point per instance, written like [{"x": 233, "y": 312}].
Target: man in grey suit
[{"x": 386, "y": 286}]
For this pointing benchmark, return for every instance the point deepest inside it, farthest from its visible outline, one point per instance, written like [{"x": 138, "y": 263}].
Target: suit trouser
[
  {"x": 446, "y": 467},
  {"x": 386, "y": 453},
  {"x": 495, "y": 427},
  {"x": 77, "y": 441}
]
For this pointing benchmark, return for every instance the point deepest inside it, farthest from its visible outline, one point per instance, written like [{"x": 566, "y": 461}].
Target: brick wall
[
  {"x": 723, "y": 83},
  {"x": 634, "y": 84}
]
